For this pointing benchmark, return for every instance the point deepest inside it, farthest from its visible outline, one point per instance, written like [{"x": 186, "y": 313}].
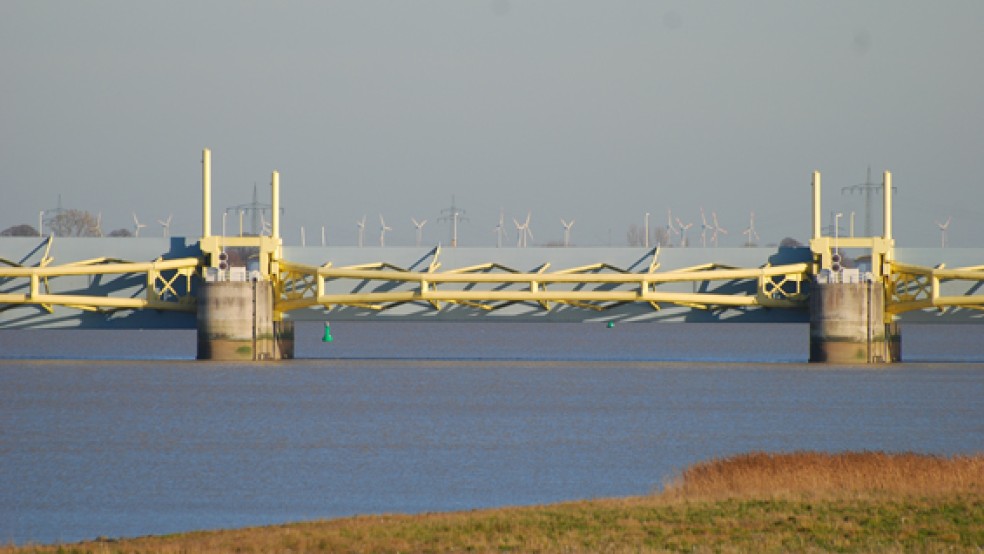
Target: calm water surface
[{"x": 122, "y": 433}]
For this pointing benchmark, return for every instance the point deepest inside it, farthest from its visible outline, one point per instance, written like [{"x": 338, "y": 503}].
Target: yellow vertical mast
[{"x": 206, "y": 193}]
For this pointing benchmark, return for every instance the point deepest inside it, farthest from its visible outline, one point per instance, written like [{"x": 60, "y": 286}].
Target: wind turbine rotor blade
[{"x": 717, "y": 226}]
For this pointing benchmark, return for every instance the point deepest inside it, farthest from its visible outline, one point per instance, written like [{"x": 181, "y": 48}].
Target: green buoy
[
  {"x": 327, "y": 337},
  {"x": 611, "y": 324}
]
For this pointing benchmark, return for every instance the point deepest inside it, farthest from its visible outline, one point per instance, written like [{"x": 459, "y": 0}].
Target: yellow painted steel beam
[
  {"x": 968, "y": 274},
  {"x": 97, "y": 301},
  {"x": 556, "y": 277},
  {"x": 182, "y": 267},
  {"x": 99, "y": 269},
  {"x": 914, "y": 287},
  {"x": 942, "y": 302},
  {"x": 643, "y": 287},
  {"x": 534, "y": 296}
]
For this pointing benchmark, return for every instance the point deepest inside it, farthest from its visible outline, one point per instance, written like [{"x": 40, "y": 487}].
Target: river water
[{"x": 110, "y": 433}]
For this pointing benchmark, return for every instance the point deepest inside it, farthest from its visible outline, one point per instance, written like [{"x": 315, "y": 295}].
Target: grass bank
[{"x": 798, "y": 502}]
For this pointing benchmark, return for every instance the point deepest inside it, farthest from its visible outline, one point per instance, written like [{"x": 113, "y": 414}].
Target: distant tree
[
  {"x": 120, "y": 233},
  {"x": 662, "y": 237},
  {"x": 22, "y": 230},
  {"x": 636, "y": 236},
  {"x": 74, "y": 223},
  {"x": 790, "y": 242}
]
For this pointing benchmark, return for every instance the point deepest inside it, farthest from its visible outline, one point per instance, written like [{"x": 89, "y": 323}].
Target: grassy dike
[{"x": 758, "y": 502}]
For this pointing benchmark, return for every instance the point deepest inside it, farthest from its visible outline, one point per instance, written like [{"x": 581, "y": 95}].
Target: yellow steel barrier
[
  {"x": 490, "y": 286},
  {"x": 164, "y": 280},
  {"x": 913, "y": 287}
]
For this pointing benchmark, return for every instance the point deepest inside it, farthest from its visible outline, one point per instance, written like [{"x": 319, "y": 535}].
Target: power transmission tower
[
  {"x": 255, "y": 211},
  {"x": 868, "y": 189},
  {"x": 454, "y": 215}
]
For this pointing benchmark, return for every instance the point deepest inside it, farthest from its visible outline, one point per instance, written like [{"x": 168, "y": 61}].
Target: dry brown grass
[
  {"x": 758, "y": 502},
  {"x": 817, "y": 474}
]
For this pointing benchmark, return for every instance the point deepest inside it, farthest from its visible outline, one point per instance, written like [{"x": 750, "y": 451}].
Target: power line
[{"x": 454, "y": 216}]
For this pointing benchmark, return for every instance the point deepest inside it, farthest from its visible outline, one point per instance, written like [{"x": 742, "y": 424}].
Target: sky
[{"x": 598, "y": 112}]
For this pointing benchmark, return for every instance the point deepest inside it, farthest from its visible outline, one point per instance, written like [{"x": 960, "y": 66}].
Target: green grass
[
  {"x": 629, "y": 525},
  {"x": 822, "y": 515}
]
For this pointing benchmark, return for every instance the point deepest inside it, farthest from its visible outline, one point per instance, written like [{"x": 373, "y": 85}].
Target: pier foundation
[
  {"x": 848, "y": 324},
  {"x": 236, "y": 322}
]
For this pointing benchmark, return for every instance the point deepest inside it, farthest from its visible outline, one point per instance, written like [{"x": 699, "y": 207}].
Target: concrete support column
[
  {"x": 847, "y": 325},
  {"x": 235, "y": 322}
]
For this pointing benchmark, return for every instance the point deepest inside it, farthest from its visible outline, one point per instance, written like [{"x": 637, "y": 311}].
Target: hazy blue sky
[{"x": 596, "y": 111}]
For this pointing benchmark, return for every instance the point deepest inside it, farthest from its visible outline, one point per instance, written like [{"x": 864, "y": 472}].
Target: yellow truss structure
[
  {"x": 913, "y": 287},
  {"x": 492, "y": 286},
  {"x": 168, "y": 284},
  {"x": 488, "y": 286}
]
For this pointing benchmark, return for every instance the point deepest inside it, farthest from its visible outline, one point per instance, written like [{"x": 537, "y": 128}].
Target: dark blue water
[{"x": 122, "y": 434}]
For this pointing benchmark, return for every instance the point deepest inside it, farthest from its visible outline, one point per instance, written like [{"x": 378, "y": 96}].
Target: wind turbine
[
  {"x": 704, "y": 228},
  {"x": 303, "y": 238},
  {"x": 670, "y": 230},
  {"x": 943, "y": 227},
  {"x": 523, "y": 231},
  {"x": 382, "y": 231},
  {"x": 750, "y": 232},
  {"x": 166, "y": 224},
  {"x": 137, "y": 225},
  {"x": 362, "y": 229},
  {"x": 420, "y": 229},
  {"x": 683, "y": 232},
  {"x": 717, "y": 229},
  {"x": 567, "y": 231},
  {"x": 499, "y": 231}
]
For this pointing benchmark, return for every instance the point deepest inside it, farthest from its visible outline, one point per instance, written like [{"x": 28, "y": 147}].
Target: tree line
[{"x": 66, "y": 223}]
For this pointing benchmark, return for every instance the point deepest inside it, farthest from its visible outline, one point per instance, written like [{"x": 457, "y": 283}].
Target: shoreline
[{"x": 853, "y": 501}]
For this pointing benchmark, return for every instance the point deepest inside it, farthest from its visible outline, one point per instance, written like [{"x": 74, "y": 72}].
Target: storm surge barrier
[
  {"x": 243, "y": 293},
  {"x": 493, "y": 286}
]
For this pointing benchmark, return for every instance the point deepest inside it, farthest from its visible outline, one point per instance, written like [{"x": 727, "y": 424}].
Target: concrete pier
[
  {"x": 236, "y": 322},
  {"x": 847, "y": 324}
]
